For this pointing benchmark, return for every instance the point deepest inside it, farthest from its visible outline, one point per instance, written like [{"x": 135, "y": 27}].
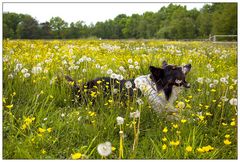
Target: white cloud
[{"x": 87, "y": 12}]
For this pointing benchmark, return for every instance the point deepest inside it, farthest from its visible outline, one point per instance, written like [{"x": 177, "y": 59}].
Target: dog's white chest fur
[{"x": 157, "y": 99}]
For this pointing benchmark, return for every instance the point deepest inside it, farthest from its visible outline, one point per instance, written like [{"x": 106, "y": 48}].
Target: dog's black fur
[{"x": 164, "y": 79}]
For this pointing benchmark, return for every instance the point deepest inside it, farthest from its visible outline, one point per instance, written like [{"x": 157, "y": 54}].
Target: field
[{"x": 42, "y": 119}]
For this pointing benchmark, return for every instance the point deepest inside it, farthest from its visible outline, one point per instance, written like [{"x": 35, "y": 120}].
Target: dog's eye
[{"x": 174, "y": 67}]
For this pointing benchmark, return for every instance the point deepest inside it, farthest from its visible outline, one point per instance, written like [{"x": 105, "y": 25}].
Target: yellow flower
[
  {"x": 164, "y": 147},
  {"x": 41, "y": 130},
  {"x": 188, "y": 148},
  {"x": 113, "y": 148},
  {"x": 49, "y": 130},
  {"x": 201, "y": 117},
  {"x": 233, "y": 123},
  {"x": 183, "y": 120},
  {"x": 165, "y": 130},
  {"x": 207, "y": 148},
  {"x": 4, "y": 100},
  {"x": 24, "y": 126},
  {"x": 227, "y": 142},
  {"x": 175, "y": 126},
  {"x": 227, "y": 136},
  {"x": 76, "y": 156},
  {"x": 213, "y": 90},
  {"x": 208, "y": 114},
  {"x": 224, "y": 124},
  {"x": 29, "y": 120},
  {"x": 43, "y": 151},
  {"x": 173, "y": 143},
  {"x": 164, "y": 139},
  {"x": 200, "y": 150},
  {"x": 99, "y": 82},
  {"x": 9, "y": 106}
]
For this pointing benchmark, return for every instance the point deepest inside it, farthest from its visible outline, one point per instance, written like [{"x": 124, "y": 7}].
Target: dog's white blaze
[
  {"x": 178, "y": 81},
  {"x": 157, "y": 99},
  {"x": 184, "y": 70}
]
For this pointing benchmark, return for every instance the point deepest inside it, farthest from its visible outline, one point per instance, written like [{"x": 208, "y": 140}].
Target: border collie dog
[{"x": 161, "y": 86}]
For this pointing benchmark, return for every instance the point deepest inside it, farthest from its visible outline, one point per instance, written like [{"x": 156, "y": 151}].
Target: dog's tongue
[{"x": 186, "y": 84}]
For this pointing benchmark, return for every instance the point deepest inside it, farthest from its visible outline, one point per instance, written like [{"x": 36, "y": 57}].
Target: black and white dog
[{"x": 161, "y": 86}]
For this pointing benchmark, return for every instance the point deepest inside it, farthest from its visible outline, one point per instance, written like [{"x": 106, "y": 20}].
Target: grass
[{"x": 43, "y": 120}]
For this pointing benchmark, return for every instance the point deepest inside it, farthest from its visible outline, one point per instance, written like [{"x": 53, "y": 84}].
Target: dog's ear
[
  {"x": 164, "y": 64},
  {"x": 157, "y": 73},
  {"x": 157, "y": 76}
]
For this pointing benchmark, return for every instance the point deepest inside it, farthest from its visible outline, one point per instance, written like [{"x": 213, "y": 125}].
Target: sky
[{"x": 87, "y": 12}]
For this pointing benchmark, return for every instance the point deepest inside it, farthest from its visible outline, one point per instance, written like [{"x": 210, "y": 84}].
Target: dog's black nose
[{"x": 188, "y": 65}]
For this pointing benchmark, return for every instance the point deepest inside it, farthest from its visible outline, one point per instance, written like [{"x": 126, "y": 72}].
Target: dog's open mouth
[{"x": 182, "y": 83}]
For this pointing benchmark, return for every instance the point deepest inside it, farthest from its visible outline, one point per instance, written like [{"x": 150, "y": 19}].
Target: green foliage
[
  {"x": 42, "y": 119},
  {"x": 171, "y": 22}
]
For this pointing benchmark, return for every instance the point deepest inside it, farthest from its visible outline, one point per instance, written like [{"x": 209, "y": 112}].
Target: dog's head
[{"x": 170, "y": 75}]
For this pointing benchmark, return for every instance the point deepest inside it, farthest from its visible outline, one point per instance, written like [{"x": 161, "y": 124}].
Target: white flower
[
  {"x": 18, "y": 67},
  {"x": 137, "y": 67},
  {"x": 64, "y": 62},
  {"x": 81, "y": 60},
  {"x": 26, "y": 75},
  {"x": 119, "y": 77},
  {"x": 131, "y": 66},
  {"x": 10, "y": 76},
  {"x": 109, "y": 71},
  {"x": 209, "y": 66},
  {"x": 121, "y": 68},
  {"x": 233, "y": 101},
  {"x": 211, "y": 85},
  {"x": 97, "y": 66},
  {"x": 128, "y": 84},
  {"x": 223, "y": 80},
  {"x": 62, "y": 115},
  {"x": 211, "y": 69},
  {"x": 36, "y": 69},
  {"x": 89, "y": 59},
  {"x": 84, "y": 70},
  {"x": 115, "y": 91},
  {"x": 45, "y": 119},
  {"x": 136, "y": 63},
  {"x": 215, "y": 81},
  {"x": 181, "y": 105},
  {"x": 207, "y": 80},
  {"x": 139, "y": 101},
  {"x": 24, "y": 70},
  {"x": 130, "y": 61},
  {"x": 200, "y": 80},
  {"x": 120, "y": 120},
  {"x": 113, "y": 76},
  {"x": 135, "y": 114},
  {"x": 104, "y": 149}
]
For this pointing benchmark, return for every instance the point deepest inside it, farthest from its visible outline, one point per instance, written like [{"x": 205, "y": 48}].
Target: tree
[
  {"x": 27, "y": 28},
  {"x": 58, "y": 26},
  {"x": 45, "y": 30}
]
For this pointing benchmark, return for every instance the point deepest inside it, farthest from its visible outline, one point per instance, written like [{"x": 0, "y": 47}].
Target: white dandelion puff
[
  {"x": 128, "y": 84},
  {"x": 109, "y": 71},
  {"x": 120, "y": 120},
  {"x": 26, "y": 75},
  {"x": 135, "y": 114},
  {"x": 104, "y": 149},
  {"x": 233, "y": 101},
  {"x": 130, "y": 61}
]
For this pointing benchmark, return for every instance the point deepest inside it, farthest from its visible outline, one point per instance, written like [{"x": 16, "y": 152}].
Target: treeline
[{"x": 171, "y": 22}]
